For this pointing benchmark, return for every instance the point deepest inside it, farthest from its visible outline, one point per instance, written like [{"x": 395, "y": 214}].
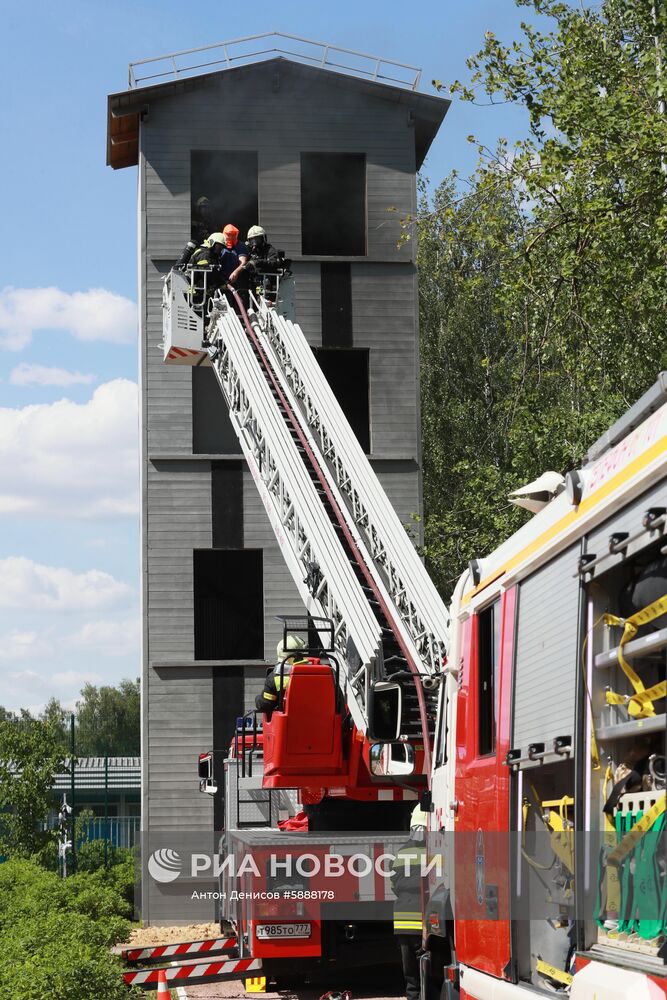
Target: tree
[
  {"x": 591, "y": 180},
  {"x": 31, "y": 754},
  {"x": 108, "y": 720},
  {"x": 54, "y": 713},
  {"x": 469, "y": 361},
  {"x": 551, "y": 268}
]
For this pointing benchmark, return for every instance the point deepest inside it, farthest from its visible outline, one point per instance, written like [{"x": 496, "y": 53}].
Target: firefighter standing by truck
[{"x": 406, "y": 883}]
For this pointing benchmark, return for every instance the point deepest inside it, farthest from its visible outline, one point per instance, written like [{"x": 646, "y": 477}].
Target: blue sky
[{"x": 69, "y": 557}]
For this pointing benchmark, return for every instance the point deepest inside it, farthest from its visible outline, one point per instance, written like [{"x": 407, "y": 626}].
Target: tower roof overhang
[{"x": 125, "y": 109}]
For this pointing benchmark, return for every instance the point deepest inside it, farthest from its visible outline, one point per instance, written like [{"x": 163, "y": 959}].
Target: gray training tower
[{"x": 321, "y": 147}]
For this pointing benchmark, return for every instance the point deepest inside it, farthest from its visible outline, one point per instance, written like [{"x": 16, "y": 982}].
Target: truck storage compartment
[
  {"x": 543, "y": 849},
  {"x": 625, "y": 668}
]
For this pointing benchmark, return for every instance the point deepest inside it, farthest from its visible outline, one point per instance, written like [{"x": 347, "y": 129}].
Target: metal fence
[
  {"x": 254, "y": 48},
  {"x": 96, "y": 797},
  {"x": 118, "y": 831}
]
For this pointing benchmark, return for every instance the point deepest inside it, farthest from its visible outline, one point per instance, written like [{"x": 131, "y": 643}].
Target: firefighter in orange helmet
[{"x": 234, "y": 257}]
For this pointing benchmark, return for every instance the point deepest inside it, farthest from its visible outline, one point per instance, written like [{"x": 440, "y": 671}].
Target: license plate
[{"x": 265, "y": 931}]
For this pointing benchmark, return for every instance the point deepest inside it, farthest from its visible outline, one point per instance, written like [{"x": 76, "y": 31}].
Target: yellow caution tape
[
  {"x": 559, "y": 826},
  {"x": 558, "y": 975},
  {"x": 634, "y": 835},
  {"x": 612, "y": 903},
  {"x": 608, "y": 780},
  {"x": 639, "y": 704}
]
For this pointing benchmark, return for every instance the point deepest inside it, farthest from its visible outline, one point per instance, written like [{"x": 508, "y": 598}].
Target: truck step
[
  {"x": 155, "y": 953},
  {"x": 192, "y": 972}
]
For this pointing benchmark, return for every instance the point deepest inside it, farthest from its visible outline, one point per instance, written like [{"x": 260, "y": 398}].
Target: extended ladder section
[{"x": 350, "y": 557}]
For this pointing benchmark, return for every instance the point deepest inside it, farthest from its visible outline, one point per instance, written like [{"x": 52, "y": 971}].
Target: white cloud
[
  {"x": 72, "y": 459},
  {"x": 16, "y": 645},
  {"x": 94, "y": 315},
  {"x": 74, "y": 678},
  {"x": 108, "y": 638},
  {"x": 27, "y": 584},
  {"x": 25, "y": 374}
]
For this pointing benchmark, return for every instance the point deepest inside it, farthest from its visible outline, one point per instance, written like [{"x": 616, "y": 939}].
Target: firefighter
[
  {"x": 203, "y": 222},
  {"x": 406, "y": 883},
  {"x": 263, "y": 256},
  {"x": 234, "y": 256},
  {"x": 259, "y": 247},
  {"x": 278, "y": 678},
  {"x": 264, "y": 260},
  {"x": 207, "y": 258}
]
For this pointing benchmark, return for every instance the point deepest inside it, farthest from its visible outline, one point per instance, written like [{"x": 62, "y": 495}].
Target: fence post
[
  {"x": 106, "y": 811},
  {"x": 72, "y": 787}
]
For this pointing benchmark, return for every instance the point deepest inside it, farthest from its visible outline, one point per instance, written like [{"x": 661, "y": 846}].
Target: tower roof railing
[{"x": 240, "y": 51}]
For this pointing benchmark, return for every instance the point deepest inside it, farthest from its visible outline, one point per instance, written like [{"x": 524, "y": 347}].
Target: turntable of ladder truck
[
  {"x": 548, "y": 784},
  {"x": 347, "y": 750},
  {"x": 336, "y": 908}
]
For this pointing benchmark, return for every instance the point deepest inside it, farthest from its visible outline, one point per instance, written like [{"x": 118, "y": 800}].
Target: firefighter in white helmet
[
  {"x": 278, "y": 678},
  {"x": 257, "y": 243},
  {"x": 406, "y": 883},
  {"x": 263, "y": 255}
]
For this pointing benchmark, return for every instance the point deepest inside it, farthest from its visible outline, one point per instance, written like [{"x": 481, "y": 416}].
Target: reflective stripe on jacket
[{"x": 406, "y": 883}]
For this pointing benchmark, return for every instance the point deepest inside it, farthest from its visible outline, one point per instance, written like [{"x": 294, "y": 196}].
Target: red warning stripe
[
  {"x": 182, "y": 352},
  {"x": 182, "y": 948},
  {"x": 181, "y": 973}
]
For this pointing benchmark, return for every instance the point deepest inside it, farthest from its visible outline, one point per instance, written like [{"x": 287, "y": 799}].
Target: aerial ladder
[
  {"x": 349, "y": 555},
  {"x": 378, "y": 619}
]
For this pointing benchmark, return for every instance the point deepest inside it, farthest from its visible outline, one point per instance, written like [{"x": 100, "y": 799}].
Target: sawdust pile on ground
[{"x": 169, "y": 935}]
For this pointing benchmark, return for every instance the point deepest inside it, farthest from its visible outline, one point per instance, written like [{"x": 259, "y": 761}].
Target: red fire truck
[
  {"x": 538, "y": 720},
  {"x": 548, "y": 780},
  {"x": 284, "y": 905}
]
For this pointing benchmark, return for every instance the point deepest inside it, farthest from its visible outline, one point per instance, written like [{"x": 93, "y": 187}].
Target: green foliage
[
  {"x": 31, "y": 753},
  {"x": 543, "y": 286},
  {"x": 108, "y": 720},
  {"x": 55, "y": 935},
  {"x": 91, "y": 854}
]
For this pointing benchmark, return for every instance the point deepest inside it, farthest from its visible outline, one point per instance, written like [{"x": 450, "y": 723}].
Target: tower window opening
[
  {"x": 333, "y": 204},
  {"x": 228, "y": 604}
]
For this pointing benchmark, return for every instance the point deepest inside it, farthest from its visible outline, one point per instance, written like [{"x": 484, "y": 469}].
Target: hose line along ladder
[{"x": 350, "y": 557}]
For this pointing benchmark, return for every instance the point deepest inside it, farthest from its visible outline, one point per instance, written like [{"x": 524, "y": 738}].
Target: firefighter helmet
[
  {"x": 418, "y": 818},
  {"x": 256, "y": 231},
  {"x": 215, "y": 242},
  {"x": 292, "y": 643}
]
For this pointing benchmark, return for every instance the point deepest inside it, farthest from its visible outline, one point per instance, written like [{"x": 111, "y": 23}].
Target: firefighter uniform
[
  {"x": 406, "y": 883},
  {"x": 278, "y": 678},
  {"x": 205, "y": 258}
]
